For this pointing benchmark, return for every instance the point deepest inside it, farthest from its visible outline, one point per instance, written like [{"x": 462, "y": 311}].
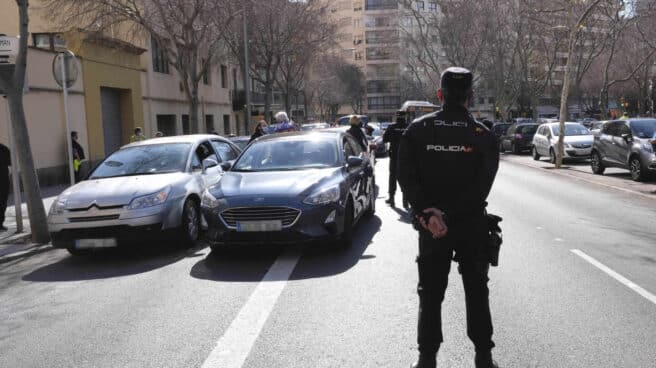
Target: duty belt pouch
[{"x": 495, "y": 239}]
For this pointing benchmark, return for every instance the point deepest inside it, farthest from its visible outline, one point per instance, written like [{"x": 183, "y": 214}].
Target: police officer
[
  {"x": 447, "y": 165},
  {"x": 393, "y": 137}
]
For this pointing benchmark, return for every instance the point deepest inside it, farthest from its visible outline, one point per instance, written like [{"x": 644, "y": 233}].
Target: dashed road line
[
  {"x": 233, "y": 347},
  {"x": 628, "y": 283}
]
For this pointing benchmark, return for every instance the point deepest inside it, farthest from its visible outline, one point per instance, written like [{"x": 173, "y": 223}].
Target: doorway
[{"x": 110, "y": 100}]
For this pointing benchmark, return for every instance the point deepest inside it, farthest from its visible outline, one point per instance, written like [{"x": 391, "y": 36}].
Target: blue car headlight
[
  {"x": 150, "y": 200},
  {"x": 324, "y": 196}
]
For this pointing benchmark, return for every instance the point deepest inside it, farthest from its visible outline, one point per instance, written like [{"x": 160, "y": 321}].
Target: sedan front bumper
[{"x": 315, "y": 223}]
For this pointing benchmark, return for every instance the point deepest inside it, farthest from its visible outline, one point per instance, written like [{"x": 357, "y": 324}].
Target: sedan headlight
[
  {"x": 208, "y": 200},
  {"x": 648, "y": 146},
  {"x": 58, "y": 206},
  {"x": 150, "y": 200},
  {"x": 327, "y": 195}
]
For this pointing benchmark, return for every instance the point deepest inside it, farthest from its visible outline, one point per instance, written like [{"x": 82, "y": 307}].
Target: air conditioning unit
[{"x": 8, "y": 49}]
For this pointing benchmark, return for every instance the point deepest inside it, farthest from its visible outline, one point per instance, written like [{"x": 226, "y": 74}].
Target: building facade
[{"x": 121, "y": 85}]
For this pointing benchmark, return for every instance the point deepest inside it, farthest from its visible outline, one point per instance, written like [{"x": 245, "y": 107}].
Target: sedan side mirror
[
  {"x": 209, "y": 163},
  {"x": 627, "y": 137},
  {"x": 354, "y": 161},
  {"x": 226, "y": 166}
]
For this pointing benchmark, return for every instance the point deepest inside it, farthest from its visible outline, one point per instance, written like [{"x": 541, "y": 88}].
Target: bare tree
[
  {"x": 277, "y": 30},
  {"x": 569, "y": 17},
  {"x": 189, "y": 32},
  {"x": 12, "y": 84},
  {"x": 352, "y": 85}
]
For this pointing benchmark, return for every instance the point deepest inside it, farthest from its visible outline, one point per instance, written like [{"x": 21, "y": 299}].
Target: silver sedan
[{"x": 139, "y": 191}]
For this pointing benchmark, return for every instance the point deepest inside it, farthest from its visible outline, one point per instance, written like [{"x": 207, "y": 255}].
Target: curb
[
  {"x": 29, "y": 251},
  {"x": 568, "y": 175},
  {"x": 16, "y": 238}
]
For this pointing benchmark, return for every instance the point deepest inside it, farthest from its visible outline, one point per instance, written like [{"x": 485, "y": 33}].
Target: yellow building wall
[{"x": 105, "y": 67}]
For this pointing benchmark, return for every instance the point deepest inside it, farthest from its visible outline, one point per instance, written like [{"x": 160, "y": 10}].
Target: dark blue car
[{"x": 292, "y": 188}]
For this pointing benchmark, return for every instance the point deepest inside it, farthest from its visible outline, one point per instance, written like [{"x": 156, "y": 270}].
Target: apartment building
[{"x": 121, "y": 85}]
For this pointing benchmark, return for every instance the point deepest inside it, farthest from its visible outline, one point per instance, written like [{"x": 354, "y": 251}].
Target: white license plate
[
  {"x": 259, "y": 226},
  {"x": 95, "y": 243}
]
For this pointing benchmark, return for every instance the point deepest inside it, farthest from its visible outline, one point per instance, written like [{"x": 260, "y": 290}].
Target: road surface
[{"x": 575, "y": 288}]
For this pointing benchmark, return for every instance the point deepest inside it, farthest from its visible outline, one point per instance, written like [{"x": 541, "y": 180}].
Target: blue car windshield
[
  {"x": 571, "y": 129},
  {"x": 644, "y": 129},
  {"x": 144, "y": 160},
  {"x": 284, "y": 155}
]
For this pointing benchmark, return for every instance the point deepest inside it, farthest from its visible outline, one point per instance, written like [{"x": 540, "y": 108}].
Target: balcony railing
[{"x": 381, "y": 4}]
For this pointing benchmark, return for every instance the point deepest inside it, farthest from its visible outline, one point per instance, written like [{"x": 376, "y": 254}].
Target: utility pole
[{"x": 247, "y": 87}]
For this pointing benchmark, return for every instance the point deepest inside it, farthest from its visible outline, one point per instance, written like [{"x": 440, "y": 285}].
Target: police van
[{"x": 417, "y": 109}]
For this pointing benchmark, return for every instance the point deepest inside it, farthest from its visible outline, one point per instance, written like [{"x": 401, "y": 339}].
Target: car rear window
[{"x": 527, "y": 129}]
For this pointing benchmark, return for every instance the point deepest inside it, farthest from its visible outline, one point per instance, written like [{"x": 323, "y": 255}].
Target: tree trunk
[
  {"x": 603, "y": 103},
  {"x": 563, "y": 100},
  {"x": 35, "y": 208},
  {"x": 194, "y": 104},
  {"x": 268, "y": 97}
]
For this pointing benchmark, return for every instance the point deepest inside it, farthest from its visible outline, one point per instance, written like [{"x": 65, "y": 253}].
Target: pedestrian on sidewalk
[
  {"x": 78, "y": 156},
  {"x": 259, "y": 130},
  {"x": 393, "y": 137},
  {"x": 447, "y": 165},
  {"x": 138, "y": 135},
  {"x": 5, "y": 162}
]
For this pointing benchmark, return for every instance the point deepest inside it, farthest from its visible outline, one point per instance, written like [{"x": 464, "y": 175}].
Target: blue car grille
[{"x": 286, "y": 215}]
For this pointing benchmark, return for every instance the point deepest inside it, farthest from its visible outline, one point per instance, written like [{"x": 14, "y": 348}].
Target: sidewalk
[
  {"x": 617, "y": 179},
  {"x": 10, "y": 237}
]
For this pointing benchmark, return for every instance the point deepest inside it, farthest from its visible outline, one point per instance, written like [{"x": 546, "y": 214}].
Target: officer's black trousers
[
  {"x": 434, "y": 262},
  {"x": 392, "y": 176},
  {"x": 4, "y": 192}
]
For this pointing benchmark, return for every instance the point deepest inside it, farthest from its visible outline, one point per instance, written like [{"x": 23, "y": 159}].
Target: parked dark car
[
  {"x": 518, "y": 138},
  {"x": 241, "y": 141},
  {"x": 500, "y": 129},
  {"x": 294, "y": 188},
  {"x": 627, "y": 144}
]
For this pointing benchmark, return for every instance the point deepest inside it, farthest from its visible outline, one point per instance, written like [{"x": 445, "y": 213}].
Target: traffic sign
[
  {"x": 8, "y": 49},
  {"x": 69, "y": 61}
]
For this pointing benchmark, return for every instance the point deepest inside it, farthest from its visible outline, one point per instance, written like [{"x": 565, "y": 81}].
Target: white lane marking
[
  {"x": 559, "y": 240},
  {"x": 233, "y": 347},
  {"x": 630, "y": 284}
]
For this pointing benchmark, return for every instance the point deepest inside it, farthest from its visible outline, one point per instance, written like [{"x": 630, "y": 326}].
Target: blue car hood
[{"x": 274, "y": 183}]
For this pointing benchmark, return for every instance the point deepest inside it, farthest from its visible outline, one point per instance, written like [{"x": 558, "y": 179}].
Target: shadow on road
[
  {"x": 112, "y": 263},
  {"x": 251, "y": 263}
]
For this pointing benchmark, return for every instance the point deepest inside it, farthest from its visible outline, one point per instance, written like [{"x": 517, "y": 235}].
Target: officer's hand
[{"x": 435, "y": 225}]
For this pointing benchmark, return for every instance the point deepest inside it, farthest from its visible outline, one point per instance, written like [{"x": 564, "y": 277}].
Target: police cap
[{"x": 456, "y": 82}]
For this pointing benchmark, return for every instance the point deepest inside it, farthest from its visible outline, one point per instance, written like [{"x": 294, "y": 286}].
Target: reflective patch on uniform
[
  {"x": 450, "y": 124},
  {"x": 456, "y": 149}
]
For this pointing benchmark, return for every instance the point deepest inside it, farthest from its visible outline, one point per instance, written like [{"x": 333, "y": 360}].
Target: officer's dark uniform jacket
[
  {"x": 393, "y": 136},
  {"x": 467, "y": 162}
]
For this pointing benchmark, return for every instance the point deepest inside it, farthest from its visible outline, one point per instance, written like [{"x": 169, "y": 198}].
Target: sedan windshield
[
  {"x": 571, "y": 129},
  {"x": 144, "y": 160},
  {"x": 281, "y": 155},
  {"x": 644, "y": 129}
]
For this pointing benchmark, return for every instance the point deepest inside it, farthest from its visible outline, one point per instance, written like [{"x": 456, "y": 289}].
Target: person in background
[
  {"x": 356, "y": 132},
  {"x": 78, "y": 156},
  {"x": 393, "y": 136},
  {"x": 259, "y": 130},
  {"x": 138, "y": 135},
  {"x": 159, "y": 135},
  {"x": 284, "y": 125},
  {"x": 5, "y": 162},
  {"x": 625, "y": 116}
]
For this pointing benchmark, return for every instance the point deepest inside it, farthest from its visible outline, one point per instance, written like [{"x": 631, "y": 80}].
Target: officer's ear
[{"x": 440, "y": 95}]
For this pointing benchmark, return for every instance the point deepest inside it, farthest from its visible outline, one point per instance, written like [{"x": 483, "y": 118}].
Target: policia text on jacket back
[{"x": 447, "y": 165}]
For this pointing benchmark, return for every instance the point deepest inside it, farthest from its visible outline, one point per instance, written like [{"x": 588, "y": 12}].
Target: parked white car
[{"x": 578, "y": 141}]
